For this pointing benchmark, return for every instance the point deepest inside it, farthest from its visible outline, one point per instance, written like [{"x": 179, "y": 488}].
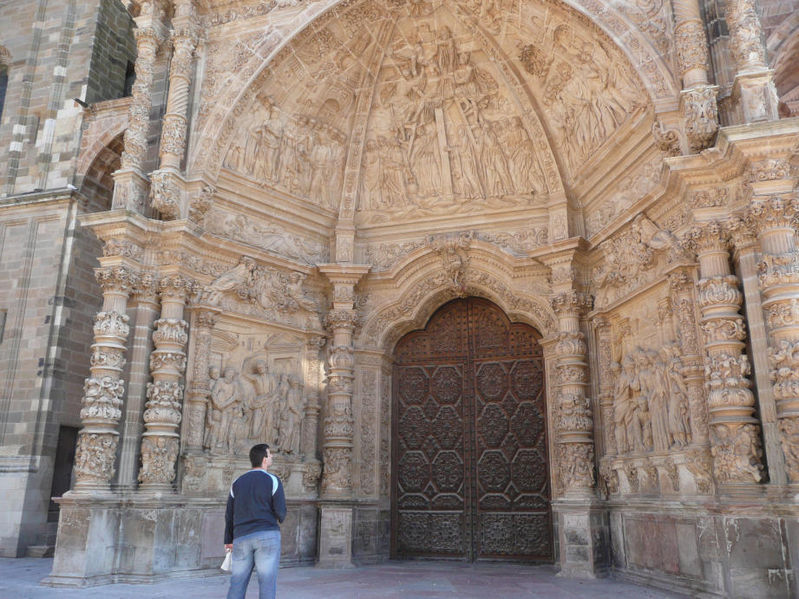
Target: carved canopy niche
[{"x": 394, "y": 112}]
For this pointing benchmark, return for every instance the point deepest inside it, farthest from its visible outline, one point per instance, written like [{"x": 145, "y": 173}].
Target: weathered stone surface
[{"x": 296, "y": 186}]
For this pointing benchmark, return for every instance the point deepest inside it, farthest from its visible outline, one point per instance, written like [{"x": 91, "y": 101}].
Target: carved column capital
[
  {"x": 706, "y": 237},
  {"x": 572, "y": 303},
  {"x": 775, "y": 212},
  {"x": 116, "y": 279},
  {"x": 177, "y": 287}
]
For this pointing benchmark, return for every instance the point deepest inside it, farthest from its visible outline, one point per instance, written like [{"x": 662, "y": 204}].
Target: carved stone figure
[
  {"x": 262, "y": 402},
  {"x": 239, "y": 276},
  {"x": 291, "y": 406},
  {"x": 225, "y": 399}
]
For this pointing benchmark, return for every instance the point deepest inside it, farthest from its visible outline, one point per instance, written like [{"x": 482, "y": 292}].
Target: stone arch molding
[
  {"x": 256, "y": 63},
  {"x": 405, "y": 300}
]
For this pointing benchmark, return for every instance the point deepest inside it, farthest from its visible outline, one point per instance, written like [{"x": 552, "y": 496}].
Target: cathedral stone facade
[{"x": 497, "y": 279}]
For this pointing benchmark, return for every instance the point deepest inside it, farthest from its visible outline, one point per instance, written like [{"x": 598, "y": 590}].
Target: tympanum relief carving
[
  {"x": 294, "y": 153},
  {"x": 443, "y": 135}
]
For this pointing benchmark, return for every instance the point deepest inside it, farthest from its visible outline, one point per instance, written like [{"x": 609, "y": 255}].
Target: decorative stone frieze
[
  {"x": 104, "y": 390},
  {"x": 734, "y": 432}
]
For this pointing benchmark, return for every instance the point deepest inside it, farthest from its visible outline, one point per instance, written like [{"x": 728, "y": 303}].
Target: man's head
[{"x": 260, "y": 456}]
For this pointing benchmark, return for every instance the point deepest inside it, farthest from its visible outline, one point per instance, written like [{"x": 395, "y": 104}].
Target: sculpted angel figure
[
  {"x": 241, "y": 275},
  {"x": 295, "y": 294}
]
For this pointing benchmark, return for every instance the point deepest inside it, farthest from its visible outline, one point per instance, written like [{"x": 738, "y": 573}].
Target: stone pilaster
[
  {"x": 101, "y": 407},
  {"x": 143, "y": 308},
  {"x": 574, "y": 418},
  {"x": 198, "y": 395},
  {"x": 602, "y": 336},
  {"x": 130, "y": 181},
  {"x": 734, "y": 432},
  {"x": 774, "y": 220},
  {"x": 310, "y": 421},
  {"x": 162, "y": 416},
  {"x": 683, "y": 302},
  {"x": 697, "y": 98},
  {"x": 754, "y": 92}
]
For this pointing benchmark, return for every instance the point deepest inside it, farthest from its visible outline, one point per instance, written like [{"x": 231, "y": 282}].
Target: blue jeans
[{"x": 262, "y": 551}]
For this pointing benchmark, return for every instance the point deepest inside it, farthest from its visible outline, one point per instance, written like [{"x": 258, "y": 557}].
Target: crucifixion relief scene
[{"x": 496, "y": 280}]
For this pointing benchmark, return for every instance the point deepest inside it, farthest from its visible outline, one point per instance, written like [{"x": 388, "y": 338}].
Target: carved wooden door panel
[{"x": 470, "y": 476}]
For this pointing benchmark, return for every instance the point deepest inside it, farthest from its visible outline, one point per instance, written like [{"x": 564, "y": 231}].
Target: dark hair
[{"x": 257, "y": 454}]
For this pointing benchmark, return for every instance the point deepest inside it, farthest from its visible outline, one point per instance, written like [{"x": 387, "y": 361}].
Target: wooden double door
[{"x": 470, "y": 469}]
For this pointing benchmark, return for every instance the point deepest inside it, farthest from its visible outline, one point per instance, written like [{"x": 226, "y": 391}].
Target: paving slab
[{"x": 19, "y": 579}]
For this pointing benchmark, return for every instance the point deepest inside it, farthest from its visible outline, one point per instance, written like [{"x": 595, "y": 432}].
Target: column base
[
  {"x": 130, "y": 190},
  {"x": 755, "y": 96},
  {"x": 583, "y": 537},
  {"x": 335, "y": 537}
]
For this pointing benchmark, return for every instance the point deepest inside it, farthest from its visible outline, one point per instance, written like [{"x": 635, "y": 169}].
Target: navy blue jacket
[{"x": 256, "y": 502}]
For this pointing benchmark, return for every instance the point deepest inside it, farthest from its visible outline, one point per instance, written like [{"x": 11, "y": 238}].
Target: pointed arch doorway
[{"x": 470, "y": 476}]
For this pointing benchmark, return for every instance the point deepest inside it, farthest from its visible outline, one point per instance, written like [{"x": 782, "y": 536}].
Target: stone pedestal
[
  {"x": 335, "y": 537},
  {"x": 583, "y": 538}
]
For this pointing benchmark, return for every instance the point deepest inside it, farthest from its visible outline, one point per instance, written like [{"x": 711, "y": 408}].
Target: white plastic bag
[{"x": 227, "y": 564}]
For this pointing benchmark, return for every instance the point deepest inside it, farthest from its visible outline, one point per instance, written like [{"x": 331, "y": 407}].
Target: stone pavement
[{"x": 19, "y": 579}]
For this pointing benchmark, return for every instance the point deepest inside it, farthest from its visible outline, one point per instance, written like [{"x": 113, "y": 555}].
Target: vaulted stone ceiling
[{"x": 397, "y": 111}]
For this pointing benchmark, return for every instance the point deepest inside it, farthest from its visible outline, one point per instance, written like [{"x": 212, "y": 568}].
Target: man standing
[{"x": 255, "y": 507}]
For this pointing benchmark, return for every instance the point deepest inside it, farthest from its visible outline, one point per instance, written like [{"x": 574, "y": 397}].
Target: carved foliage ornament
[
  {"x": 94, "y": 457},
  {"x": 102, "y": 399},
  {"x": 158, "y": 456}
]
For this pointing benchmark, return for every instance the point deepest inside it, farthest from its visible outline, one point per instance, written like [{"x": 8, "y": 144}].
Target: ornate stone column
[
  {"x": 162, "y": 416},
  {"x": 101, "y": 407},
  {"x": 166, "y": 190},
  {"x": 734, "y": 432},
  {"x": 574, "y": 422},
  {"x": 336, "y": 517},
  {"x": 753, "y": 90},
  {"x": 698, "y": 97},
  {"x": 582, "y": 523},
  {"x": 198, "y": 395},
  {"x": 130, "y": 181},
  {"x": 774, "y": 219}
]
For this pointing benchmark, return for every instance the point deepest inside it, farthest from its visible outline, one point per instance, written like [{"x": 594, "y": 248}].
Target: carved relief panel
[
  {"x": 261, "y": 390},
  {"x": 444, "y": 134}
]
